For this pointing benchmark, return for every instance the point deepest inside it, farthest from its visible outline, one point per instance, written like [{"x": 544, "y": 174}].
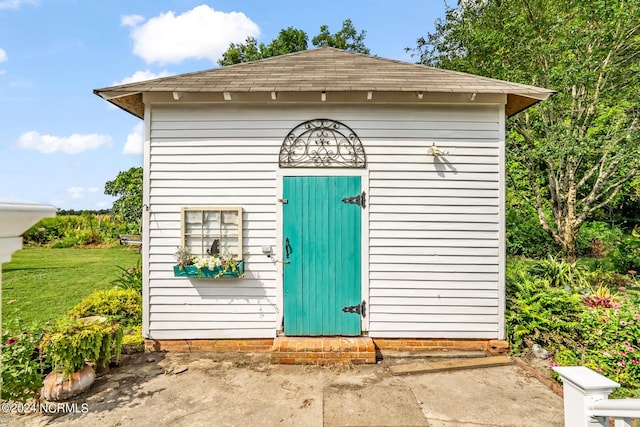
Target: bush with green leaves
[
  {"x": 22, "y": 369},
  {"x": 597, "y": 326},
  {"x": 130, "y": 278},
  {"x": 133, "y": 341},
  {"x": 626, "y": 255},
  {"x": 525, "y": 236},
  {"x": 597, "y": 239},
  {"x": 64, "y": 231},
  {"x": 71, "y": 343},
  {"x": 562, "y": 274},
  {"x": 539, "y": 313},
  {"x": 122, "y": 305},
  {"x": 609, "y": 342}
]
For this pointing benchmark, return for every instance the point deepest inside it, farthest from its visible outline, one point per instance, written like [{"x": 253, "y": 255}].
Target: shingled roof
[{"x": 324, "y": 69}]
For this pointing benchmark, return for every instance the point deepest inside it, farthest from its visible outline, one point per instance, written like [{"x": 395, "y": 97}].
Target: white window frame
[{"x": 202, "y": 249}]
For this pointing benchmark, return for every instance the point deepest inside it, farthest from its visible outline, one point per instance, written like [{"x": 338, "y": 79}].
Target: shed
[{"x": 365, "y": 197}]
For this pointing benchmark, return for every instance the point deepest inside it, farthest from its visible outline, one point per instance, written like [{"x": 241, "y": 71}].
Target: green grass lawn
[{"x": 41, "y": 284}]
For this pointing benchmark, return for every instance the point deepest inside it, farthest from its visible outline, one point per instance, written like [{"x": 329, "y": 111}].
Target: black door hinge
[
  {"x": 360, "y": 200},
  {"x": 360, "y": 309}
]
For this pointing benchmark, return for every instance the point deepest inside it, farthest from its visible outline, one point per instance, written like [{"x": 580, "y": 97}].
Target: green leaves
[
  {"x": 291, "y": 40},
  {"x": 21, "y": 371},
  {"x": 569, "y": 155},
  {"x": 71, "y": 343},
  {"x": 128, "y": 187}
]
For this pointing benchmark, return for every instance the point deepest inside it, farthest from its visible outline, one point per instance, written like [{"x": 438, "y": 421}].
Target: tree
[
  {"x": 568, "y": 156},
  {"x": 128, "y": 187},
  {"x": 293, "y": 40},
  {"x": 288, "y": 41},
  {"x": 347, "y": 38}
]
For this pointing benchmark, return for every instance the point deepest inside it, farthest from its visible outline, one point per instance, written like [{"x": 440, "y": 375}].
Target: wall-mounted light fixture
[{"x": 435, "y": 151}]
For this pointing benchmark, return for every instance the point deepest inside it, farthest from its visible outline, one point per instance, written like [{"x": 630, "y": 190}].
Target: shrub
[
  {"x": 22, "y": 371},
  {"x": 130, "y": 278},
  {"x": 626, "y": 256},
  {"x": 525, "y": 236},
  {"x": 122, "y": 305},
  {"x": 65, "y": 231},
  {"x": 539, "y": 313},
  {"x": 73, "y": 342},
  {"x": 562, "y": 274},
  {"x": 133, "y": 340},
  {"x": 609, "y": 342},
  {"x": 597, "y": 238}
]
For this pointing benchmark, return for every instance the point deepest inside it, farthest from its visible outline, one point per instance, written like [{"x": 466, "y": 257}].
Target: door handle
[{"x": 287, "y": 248}]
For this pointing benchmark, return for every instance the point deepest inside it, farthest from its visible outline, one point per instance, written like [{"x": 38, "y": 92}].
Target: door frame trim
[{"x": 364, "y": 232}]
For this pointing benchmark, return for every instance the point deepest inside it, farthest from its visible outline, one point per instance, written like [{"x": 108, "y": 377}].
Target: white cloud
[
  {"x": 3, "y": 55},
  {"x": 201, "y": 32},
  {"x": 131, "y": 20},
  {"x": 93, "y": 189},
  {"x": 135, "y": 140},
  {"x": 16, "y": 4},
  {"x": 75, "y": 192},
  {"x": 72, "y": 144},
  {"x": 139, "y": 76}
]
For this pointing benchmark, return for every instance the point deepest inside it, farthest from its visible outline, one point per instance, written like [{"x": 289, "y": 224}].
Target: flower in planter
[{"x": 184, "y": 256}]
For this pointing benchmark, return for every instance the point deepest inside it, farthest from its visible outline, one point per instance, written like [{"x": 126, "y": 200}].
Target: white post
[
  {"x": 15, "y": 219},
  {"x": 582, "y": 387}
]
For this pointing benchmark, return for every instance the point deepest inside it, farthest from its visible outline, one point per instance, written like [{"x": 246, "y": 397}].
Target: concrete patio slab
[{"x": 238, "y": 389}]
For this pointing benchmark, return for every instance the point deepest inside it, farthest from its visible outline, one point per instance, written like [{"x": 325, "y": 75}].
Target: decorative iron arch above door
[{"x": 322, "y": 143}]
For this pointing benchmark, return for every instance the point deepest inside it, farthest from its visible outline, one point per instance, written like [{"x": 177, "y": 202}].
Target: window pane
[
  {"x": 212, "y": 222},
  {"x": 193, "y": 222},
  {"x": 195, "y": 244},
  {"x": 230, "y": 217},
  {"x": 229, "y": 246}
]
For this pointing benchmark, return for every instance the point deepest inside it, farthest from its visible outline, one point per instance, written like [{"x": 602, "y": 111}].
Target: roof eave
[{"x": 131, "y": 102}]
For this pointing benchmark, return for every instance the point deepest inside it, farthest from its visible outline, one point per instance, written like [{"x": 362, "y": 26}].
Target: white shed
[{"x": 365, "y": 197}]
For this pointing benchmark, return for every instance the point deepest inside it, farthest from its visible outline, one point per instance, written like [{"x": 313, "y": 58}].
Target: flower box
[{"x": 204, "y": 272}]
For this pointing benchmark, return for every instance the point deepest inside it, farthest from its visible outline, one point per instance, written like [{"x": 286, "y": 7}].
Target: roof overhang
[{"x": 133, "y": 102}]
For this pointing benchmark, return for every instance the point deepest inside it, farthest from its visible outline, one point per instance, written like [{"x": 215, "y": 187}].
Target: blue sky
[{"x": 59, "y": 143}]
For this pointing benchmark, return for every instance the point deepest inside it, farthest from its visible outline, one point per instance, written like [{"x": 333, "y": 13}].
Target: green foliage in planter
[
  {"x": 73, "y": 342},
  {"x": 22, "y": 371},
  {"x": 122, "y": 305}
]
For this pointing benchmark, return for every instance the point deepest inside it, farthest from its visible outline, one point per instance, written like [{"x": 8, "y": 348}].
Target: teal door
[{"x": 322, "y": 247}]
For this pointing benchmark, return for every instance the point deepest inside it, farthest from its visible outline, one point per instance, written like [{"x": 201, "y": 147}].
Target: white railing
[{"x": 586, "y": 399}]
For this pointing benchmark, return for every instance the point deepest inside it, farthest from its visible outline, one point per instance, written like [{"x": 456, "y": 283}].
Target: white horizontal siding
[
  {"x": 434, "y": 230},
  {"x": 433, "y": 223}
]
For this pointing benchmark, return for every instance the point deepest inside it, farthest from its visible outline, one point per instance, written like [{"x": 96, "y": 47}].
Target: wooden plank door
[{"x": 322, "y": 240}]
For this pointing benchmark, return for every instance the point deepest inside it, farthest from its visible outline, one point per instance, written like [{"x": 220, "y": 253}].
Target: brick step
[{"x": 322, "y": 350}]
